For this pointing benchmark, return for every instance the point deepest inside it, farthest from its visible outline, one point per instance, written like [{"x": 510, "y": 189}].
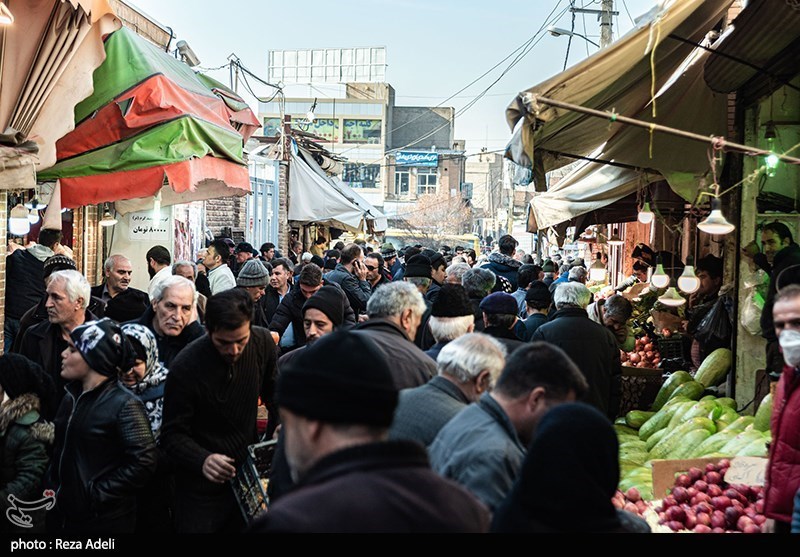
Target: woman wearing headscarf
[
  {"x": 104, "y": 452},
  {"x": 568, "y": 478},
  {"x": 27, "y": 394}
]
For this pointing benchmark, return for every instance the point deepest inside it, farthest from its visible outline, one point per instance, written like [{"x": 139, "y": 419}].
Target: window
[
  {"x": 358, "y": 175},
  {"x": 426, "y": 181},
  {"x": 401, "y": 183}
]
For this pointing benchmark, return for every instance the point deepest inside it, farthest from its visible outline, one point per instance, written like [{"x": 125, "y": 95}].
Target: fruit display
[
  {"x": 702, "y": 502},
  {"x": 630, "y": 501},
  {"x": 644, "y": 354}
]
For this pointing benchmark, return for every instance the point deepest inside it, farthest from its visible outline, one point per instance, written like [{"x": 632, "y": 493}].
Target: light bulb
[
  {"x": 615, "y": 240},
  {"x": 33, "y": 216},
  {"x": 688, "y": 281},
  {"x": 597, "y": 271},
  {"x": 310, "y": 116},
  {"x": 660, "y": 279},
  {"x": 108, "y": 219},
  {"x": 671, "y": 298},
  {"x": 156, "y": 208},
  {"x": 646, "y": 215},
  {"x": 18, "y": 223},
  {"x": 715, "y": 223},
  {"x": 772, "y": 161}
]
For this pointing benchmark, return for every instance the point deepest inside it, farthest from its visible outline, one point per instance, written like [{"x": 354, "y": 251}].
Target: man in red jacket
[{"x": 783, "y": 472}]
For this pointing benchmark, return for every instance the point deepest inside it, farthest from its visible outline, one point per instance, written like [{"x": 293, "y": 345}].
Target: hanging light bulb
[
  {"x": 157, "y": 208},
  {"x": 715, "y": 223},
  {"x": 18, "y": 223},
  {"x": 108, "y": 219},
  {"x": 646, "y": 216},
  {"x": 33, "y": 216},
  {"x": 671, "y": 298},
  {"x": 688, "y": 282},
  {"x": 310, "y": 116},
  {"x": 660, "y": 278},
  {"x": 771, "y": 160},
  {"x": 615, "y": 240},
  {"x": 6, "y": 17},
  {"x": 36, "y": 205},
  {"x": 597, "y": 272}
]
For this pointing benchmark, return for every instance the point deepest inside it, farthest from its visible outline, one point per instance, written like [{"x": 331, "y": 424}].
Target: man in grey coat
[
  {"x": 483, "y": 446},
  {"x": 468, "y": 367},
  {"x": 351, "y": 275}
]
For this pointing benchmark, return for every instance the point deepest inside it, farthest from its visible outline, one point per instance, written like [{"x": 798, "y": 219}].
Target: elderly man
[
  {"x": 170, "y": 318},
  {"x": 613, "y": 313},
  {"x": 478, "y": 283},
  {"x": 395, "y": 313},
  {"x": 451, "y": 317},
  {"x": 499, "y": 312},
  {"x": 351, "y": 275},
  {"x": 210, "y": 406},
  {"x": 188, "y": 270},
  {"x": 483, "y": 446},
  {"x": 590, "y": 345},
  {"x": 242, "y": 254},
  {"x": 419, "y": 272},
  {"x": 537, "y": 301},
  {"x": 123, "y": 302},
  {"x": 68, "y": 294},
  {"x": 252, "y": 278},
  {"x": 220, "y": 276},
  {"x": 455, "y": 272},
  {"x": 468, "y": 367}
]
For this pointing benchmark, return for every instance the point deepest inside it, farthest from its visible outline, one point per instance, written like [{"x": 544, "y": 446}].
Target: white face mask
[{"x": 790, "y": 345}]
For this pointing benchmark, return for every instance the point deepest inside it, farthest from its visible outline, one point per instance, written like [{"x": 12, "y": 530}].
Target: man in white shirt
[
  {"x": 220, "y": 276},
  {"x": 158, "y": 267}
]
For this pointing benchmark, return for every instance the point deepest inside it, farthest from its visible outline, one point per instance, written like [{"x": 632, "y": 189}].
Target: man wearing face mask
[{"x": 783, "y": 471}]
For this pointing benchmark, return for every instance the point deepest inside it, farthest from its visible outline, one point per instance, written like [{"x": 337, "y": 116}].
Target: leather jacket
[{"x": 104, "y": 454}]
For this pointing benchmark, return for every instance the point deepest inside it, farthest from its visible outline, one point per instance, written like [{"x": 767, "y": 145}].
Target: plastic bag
[
  {"x": 751, "y": 312},
  {"x": 717, "y": 325}
]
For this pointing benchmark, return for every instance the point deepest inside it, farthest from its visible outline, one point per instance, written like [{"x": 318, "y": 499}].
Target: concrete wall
[{"x": 418, "y": 122}]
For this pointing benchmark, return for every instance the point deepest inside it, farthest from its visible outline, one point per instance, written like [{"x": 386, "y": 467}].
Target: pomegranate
[
  {"x": 702, "y": 529},
  {"x": 683, "y": 480},
  {"x": 701, "y": 485}
]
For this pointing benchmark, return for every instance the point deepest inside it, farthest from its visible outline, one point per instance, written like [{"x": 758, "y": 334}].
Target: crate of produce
[
  {"x": 640, "y": 386},
  {"x": 671, "y": 347},
  {"x": 252, "y": 480}
]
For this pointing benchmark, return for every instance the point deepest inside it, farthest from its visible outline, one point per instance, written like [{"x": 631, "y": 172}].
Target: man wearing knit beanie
[
  {"x": 253, "y": 278},
  {"x": 451, "y": 317},
  {"x": 337, "y": 401}
]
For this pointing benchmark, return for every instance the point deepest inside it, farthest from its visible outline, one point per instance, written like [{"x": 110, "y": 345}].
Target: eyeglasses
[{"x": 370, "y": 267}]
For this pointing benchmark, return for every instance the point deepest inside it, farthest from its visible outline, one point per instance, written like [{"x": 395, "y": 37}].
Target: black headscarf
[{"x": 568, "y": 478}]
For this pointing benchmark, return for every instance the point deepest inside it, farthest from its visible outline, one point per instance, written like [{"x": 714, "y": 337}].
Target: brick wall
[
  {"x": 3, "y": 244},
  {"x": 93, "y": 245},
  {"x": 283, "y": 209},
  {"x": 227, "y": 212}
]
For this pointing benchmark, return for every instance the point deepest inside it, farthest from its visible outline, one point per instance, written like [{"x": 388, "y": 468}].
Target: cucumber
[
  {"x": 692, "y": 390},
  {"x": 625, "y": 430},
  {"x": 702, "y": 408},
  {"x": 673, "y": 382},
  {"x": 708, "y": 397},
  {"x": 713, "y": 444},
  {"x": 757, "y": 448},
  {"x": 714, "y": 368},
  {"x": 677, "y": 416},
  {"x": 688, "y": 444},
  {"x": 659, "y": 421},
  {"x": 727, "y": 401},
  {"x": 740, "y": 424},
  {"x": 637, "y": 418},
  {"x": 620, "y": 421},
  {"x": 764, "y": 414},
  {"x": 739, "y": 442},
  {"x": 672, "y": 439},
  {"x": 655, "y": 438}
]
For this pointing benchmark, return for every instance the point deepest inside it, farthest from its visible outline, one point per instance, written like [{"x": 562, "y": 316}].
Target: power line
[
  {"x": 572, "y": 32},
  {"x": 625, "y": 5}
]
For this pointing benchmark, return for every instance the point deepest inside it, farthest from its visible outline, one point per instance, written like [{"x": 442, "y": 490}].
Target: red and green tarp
[{"x": 151, "y": 121}]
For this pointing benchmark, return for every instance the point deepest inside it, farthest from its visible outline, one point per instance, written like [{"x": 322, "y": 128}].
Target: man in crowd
[
  {"x": 395, "y": 313},
  {"x": 171, "y": 317},
  {"x": 318, "y": 248},
  {"x": 393, "y": 263},
  {"x": 24, "y": 268},
  {"x": 68, "y": 294},
  {"x": 502, "y": 262},
  {"x": 483, "y": 446},
  {"x": 376, "y": 270},
  {"x": 709, "y": 270},
  {"x": 467, "y": 367},
  {"x": 280, "y": 281},
  {"x": 243, "y": 253},
  {"x": 267, "y": 252},
  {"x": 499, "y": 314},
  {"x": 418, "y": 272},
  {"x": 210, "y": 405},
  {"x": 351, "y": 275},
  {"x": 537, "y": 302},
  {"x": 188, "y": 270},
  {"x": 527, "y": 274},
  {"x": 289, "y": 314},
  {"x": 123, "y": 302},
  {"x": 590, "y": 345},
  {"x": 158, "y": 267},
  {"x": 438, "y": 273},
  {"x": 478, "y": 283},
  {"x": 252, "y": 278},
  {"x": 549, "y": 270},
  {"x": 220, "y": 276},
  {"x": 451, "y": 317},
  {"x": 779, "y": 252},
  {"x": 337, "y": 411},
  {"x": 455, "y": 273},
  {"x": 295, "y": 251},
  {"x": 613, "y": 313},
  {"x": 783, "y": 470}
]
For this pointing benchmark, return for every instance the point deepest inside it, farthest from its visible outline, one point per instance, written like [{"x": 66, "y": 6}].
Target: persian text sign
[
  {"x": 141, "y": 227},
  {"x": 406, "y": 158}
]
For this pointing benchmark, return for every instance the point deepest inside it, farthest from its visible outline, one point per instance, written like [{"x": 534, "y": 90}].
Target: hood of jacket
[
  {"x": 40, "y": 252},
  {"x": 501, "y": 259},
  {"x": 24, "y": 410}
]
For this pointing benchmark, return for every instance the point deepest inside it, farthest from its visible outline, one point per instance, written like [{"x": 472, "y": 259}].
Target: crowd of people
[{"x": 399, "y": 384}]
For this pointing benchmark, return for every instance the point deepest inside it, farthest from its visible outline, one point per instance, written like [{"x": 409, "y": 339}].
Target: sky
[{"x": 434, "y": 48}]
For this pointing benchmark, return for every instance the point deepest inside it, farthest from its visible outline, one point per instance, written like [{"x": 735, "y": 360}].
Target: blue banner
[{"x": 405, "y": 158}]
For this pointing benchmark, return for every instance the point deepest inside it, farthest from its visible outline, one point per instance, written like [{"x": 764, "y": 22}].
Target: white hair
[
  {"x": 466, "y": 357},
  {"x": 450, "y": 328},
  {"x": 306, "y": 257},
  {"x": 171, "y": 282},
  {"x": 573, "y": 294},
  {"x": 394, "y": 298},
  {"x": 108, "y": 266},
  {"x": 577, "y": 273},
  {"x": 457, "y": 270},
  {"x": 184, "y": 263},
  {"x": 478, "y": 282},
  {"x": 75, "y": 285}
]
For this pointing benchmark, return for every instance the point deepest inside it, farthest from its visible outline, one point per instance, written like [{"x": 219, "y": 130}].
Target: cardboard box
[{"x": 748, "y": 470}]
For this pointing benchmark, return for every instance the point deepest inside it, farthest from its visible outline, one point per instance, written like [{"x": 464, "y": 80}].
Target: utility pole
[{"x": 606, "y": 9}]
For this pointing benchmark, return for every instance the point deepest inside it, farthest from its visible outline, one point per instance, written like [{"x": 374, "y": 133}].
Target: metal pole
[
  {"x": 715, "y": 141},
  {"x": 607, "y": 8}
]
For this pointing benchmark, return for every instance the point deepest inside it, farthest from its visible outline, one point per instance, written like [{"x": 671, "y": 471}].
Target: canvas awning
[
  {"x": 151, "y": 125},
  {"x": 616, "y": 78},
  {"x": 47, "y": 57},
  {"x": 685, "y": 102}
]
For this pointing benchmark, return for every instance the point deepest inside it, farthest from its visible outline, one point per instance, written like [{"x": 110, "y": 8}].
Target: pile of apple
[
  {"x": 702, "y": 502},
  {"x": 645, "y": 354},
  {"x": 630, "y": 501}
]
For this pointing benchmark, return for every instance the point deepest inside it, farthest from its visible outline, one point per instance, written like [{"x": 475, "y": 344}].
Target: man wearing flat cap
[
  {"x": 499, "y": 319},
  {"x": 451, "y": 317},
  {"x": 337, "y": 410}
]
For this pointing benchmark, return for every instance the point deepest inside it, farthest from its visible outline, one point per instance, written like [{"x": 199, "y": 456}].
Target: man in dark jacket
[
  {"x": 24, "y": 269},
  {"x": 502, "y": 263},
  {"x": 538, "y": 301},
  {"x": 779, "y": 252},
  {"x": 290, "y": 311},
  {"x": 468, "y": 367},
  {"x": 280, "y": 282},
  {"x": 451, "y": 317},
  {"x": 500, "y": 318},
  {"x": 170, "y": 317},
  {"x": 376, "y": 270},
  {"x": 395, "y": 312},
  {"x": 438, "y": 274},
  {"x": 210, "y": 405},
  {"x": 337, "y": 411},
  {"x": 252, "y": 278},
  {"x": 351, "y": 275},
  {"x": 590, "y": 345},
  {"x": 478, "y": 283},
  {"x": 123, "y": 302},
  {"x": 483, "y": 446}
]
